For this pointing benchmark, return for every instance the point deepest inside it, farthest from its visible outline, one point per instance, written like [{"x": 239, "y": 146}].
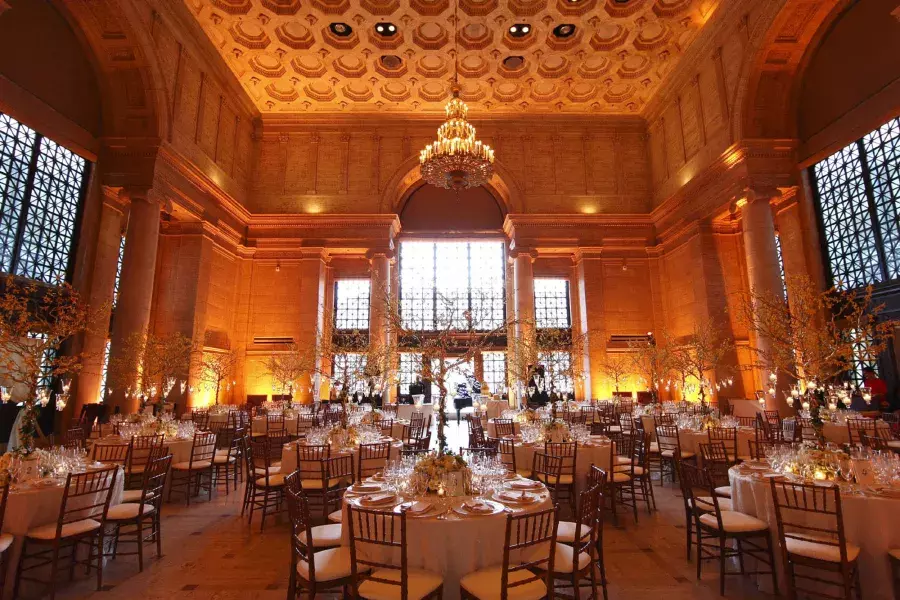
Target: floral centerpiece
[
  {"x": 435, "y": 468},
  {"x": 527, "y": 416},
  {"x": 709, "y": 422},
  {"x": 556, "y": 431},
  {"x": 817, "y": 462},
  {"x": 372, "y": 417},
  {"x": 343, "y": 437}
]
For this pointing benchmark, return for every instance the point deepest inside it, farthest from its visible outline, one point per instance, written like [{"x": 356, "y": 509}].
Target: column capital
[
  {"x": 376, "y": 253},
  {"x": 130, "y": 194},
  {"x": 515, "y": 253}
]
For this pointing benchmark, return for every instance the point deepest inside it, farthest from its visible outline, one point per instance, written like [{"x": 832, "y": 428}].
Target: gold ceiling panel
[{"x": 295, "y": 56}]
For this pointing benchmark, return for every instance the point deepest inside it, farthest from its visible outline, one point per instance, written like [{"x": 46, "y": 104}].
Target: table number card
[{"x": 865, "y": 475}]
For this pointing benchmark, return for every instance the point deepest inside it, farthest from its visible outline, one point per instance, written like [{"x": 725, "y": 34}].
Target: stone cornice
[
  {"x": 361, "y": 232},
  {"x": 221, "y": 237},
  {"x": 551, "y": 233}
]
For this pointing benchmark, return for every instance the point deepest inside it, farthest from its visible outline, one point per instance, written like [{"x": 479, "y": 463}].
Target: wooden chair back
[
  {"x": 111, "y": 453},
  {"x": 504, "y": 427},
  {"x": 806, "y": 510},
  {"x": 529, "y": 550},
  {"x": 567, "y": 451},
  {"x": 87, "y": 496},
  {"x": 372, "y": 459},
  {"x": 203, "y": 450},
  {"x": 374, "y": 534}
]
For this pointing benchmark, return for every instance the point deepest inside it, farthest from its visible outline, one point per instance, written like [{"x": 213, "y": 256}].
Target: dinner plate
[
  {"x": 377, "y": 500},
  {"x": 522, "y": 499},
  {"x": 365, "y": 488},
  {"x": 524, "y": 484},
  {"x": 490, "y": 509}
]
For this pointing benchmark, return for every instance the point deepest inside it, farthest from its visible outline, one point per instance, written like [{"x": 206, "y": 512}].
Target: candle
[
  {"x": 819, "y": 475},
  {"x": 441, "y": 491}
]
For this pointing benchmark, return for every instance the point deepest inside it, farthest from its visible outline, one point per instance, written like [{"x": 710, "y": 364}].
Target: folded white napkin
[
  {"x": 377, "y": 499},
  {"x": 420, "y": 507},
  {"x": 366, "y": 487},
  {"x": 477, "y": 506}
]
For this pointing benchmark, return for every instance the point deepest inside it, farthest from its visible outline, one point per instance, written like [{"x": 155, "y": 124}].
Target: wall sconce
[
  {"x": 278, "y": 266},
  {"x": 624, "y": 264}
]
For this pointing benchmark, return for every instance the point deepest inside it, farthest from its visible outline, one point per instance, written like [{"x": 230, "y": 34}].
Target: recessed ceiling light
[
  {"x": 519, "y": 30},
  {"x": 340, "y": 29},
  {"x": 563, "y": 31},
  {"x": 385, "y": 29},
  {"x": 391, "y": 61},
  {"x": 513, "y": 62}
]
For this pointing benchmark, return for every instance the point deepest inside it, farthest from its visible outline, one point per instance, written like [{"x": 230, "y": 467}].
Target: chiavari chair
[
  {"x": 265, "y": 482},
  {"x": 600, "y": 427},
  {"x": 857, "y": 426},
  {"x": 385, "y": 578},
  {"x": 504, "y": 427},
  {"x": 81, "y": 521},
  {"x": 334, "y": 476},
  {"x": 716, "y": 461},
  {"x": 773, "y": 418},
  {"x": 791, "y": 430},
  {"x": 643, "y": 489},
  {"x": 887, "y": 439},
  {"x": 625, "y": 407},
  {"x": 621, "y": 483},
  {"x": 597, "y": 479},
  {"x": 142, "y": 450},
  {"x": 139, "y": 522},
  {"x": 200, "y": 418},
  {"x": 506, "y": 449},
  {"x": 227, "y": 459},
  {"x": 414, "y": 452},
  {"x": 386, "y": 426},
  {"x": 390, "y": 410},
  {"x": 548, "y": 470},
  {"x": 323, "y": 536},
  {"x": 807, "y": 430},
  {"x": 729, "y": 438},
  {"x": 717, "y": 528},
  {"x": 313, "y": 570},
  {"x": 529, "y": 560},
  {"x": 588, "y": 413},
  {"x": 758, "y": 448},
  {"x": 746, "y": 421},
  {"x": 575, "y": 547},
  {"x": 111, "y": 453},
  {"x": 670, "y": 451},
  {"x": 811, "y": 532},
  {"x": 371, "y": 459},
  {"x": 565, "y": 485},
  {"x": 74, "y": 439},
  {"x": 190, "y": 475},
  {"x": 305, "y": 422}
]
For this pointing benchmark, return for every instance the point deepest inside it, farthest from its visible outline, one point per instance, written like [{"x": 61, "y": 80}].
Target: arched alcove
[
  {"x": 432, "y": 209},
  {"x": 41, "y": 54}
]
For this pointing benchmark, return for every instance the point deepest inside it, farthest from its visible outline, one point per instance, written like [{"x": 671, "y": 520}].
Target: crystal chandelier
[{"x": 456, "y": 160}]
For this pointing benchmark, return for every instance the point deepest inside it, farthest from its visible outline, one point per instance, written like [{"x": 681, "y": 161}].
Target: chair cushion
[
  {"x": 734, "y": 522},
  {"x": 6, "y": 540},
  {"x": 622, "y": 460},
  {"x": 336, "y": 516},
  {"x": 565, "y": 531},
  {"x": 563, "y": 479},
  {"x": 128, "y": 510},
  {"x": 706, "y": 503},
  {"x": 330, "y": 564},
  {"x": 562, "y": 558},
  {"x": 724, "y": 490},
  {"x": 485, "y": 585},
  {"x": 275, "y": 479},
  {"x": 324, "y": 536},
  {"x": 197, "y": 466},
  {"x": 223, "y": 459},
  {"x": 526, "y": 473},
  {"x": 654, "y": 448},
  {"x": 48, "y": 532},
  {"x": 132, "y": 495},
  {"x": 638, "y": 470},
  {"x": 671, "y": 454},
  {"x": 261, "y": 472},
  {"x": 420, "y": 584},
  {"x": 811, "y": 547},
  {"x": 316, "y": 484},
  {"x": 618, "y": 477},
  {"x": 893, "y": 444}
]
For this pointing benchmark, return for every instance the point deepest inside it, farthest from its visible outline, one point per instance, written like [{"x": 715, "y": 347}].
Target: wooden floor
[{"x": 211, "y": 553}]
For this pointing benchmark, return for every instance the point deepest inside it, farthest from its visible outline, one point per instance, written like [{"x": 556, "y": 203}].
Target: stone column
[
  {"x": 100, "y": 293},
  {"x": 793, "y": 239},
  {"x": 579, "y": 328},
  {"x": 136, "y": 281},
  {"x": 312, "y": 309},
  {"x": 523, "y": 269},
  {"x": 380, "y": 262},
  {"x": 763, "y": 273}
]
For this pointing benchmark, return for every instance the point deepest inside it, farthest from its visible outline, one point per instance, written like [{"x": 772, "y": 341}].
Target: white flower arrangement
[
  {"x": 434, "y": 467},
  {"x": 372, "y": 417},
  {"x": 556, "y": 430},
  {"x": 343, "y": 437}
]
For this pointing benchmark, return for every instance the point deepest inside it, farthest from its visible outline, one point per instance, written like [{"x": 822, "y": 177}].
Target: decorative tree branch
[
  {"x": 700, "y": 354},
  {"x": 652, "y": 361},
  {"x": 617, "y": 367},
  {"x": 149, "y": 365},
  {"x": 289, "y": 364},
  {"x": 217, "y": 367}
]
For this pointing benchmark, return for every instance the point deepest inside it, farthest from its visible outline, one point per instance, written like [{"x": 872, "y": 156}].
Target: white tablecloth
[
  {"x": 30, "y": 506},
  {"x": 690, "y": 441},
  {"x": 870, "y": 522},
  {"x": 839, "y": 434},
  {"x": 599, "y": 454},
  {"x": 179, "y": 449},
  {"x": 457, "y": 545},
  {"x": 405, "y": 411},
  {"x": 495, "y": 408},
  {"x": 492, "y": 428}
]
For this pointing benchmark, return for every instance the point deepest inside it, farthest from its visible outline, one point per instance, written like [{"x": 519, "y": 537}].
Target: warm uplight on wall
[
  {"x": 313, "y": 208},
  {"x": 589, "y": 209},
  {"x": 741, "y": 202}
]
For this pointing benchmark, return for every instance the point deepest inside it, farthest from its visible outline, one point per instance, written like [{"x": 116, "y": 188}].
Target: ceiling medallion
[{"x": 456, "y": 160}]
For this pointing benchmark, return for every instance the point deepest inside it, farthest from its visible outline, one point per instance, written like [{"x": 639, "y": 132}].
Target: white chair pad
[
  {"x": 132, "y": 495},
  {"x": 48, "y": 532},
  {"x": 622, "y": 460},
  {"x": 275, "y": 479},
  {"x": 336, "y": 516},
  {"x": 526, "y": 473},
  {"x": 188, "y": 466},
  {"x": 420, "y": 584},
  {"x": 261, "y": 472},
  {"x": 563, "y": 479},
  {"x": 6, "y": 540},
  {"x": 565, "y": 532},
  {"x": 654, "y": 448},
  {"x": 706, "y": 503},
  {"x": 563, "y": 557},
  {"x": 223, "y": 460},
  {"x": 724, "y": 490},
  {"x": 621, "y": 477},
  {"x": 330, "y": 564},
  {"x": 324, "y": 536},
  {"x": 734, "y": 522},
  {"x": 316, "y": 484},
  {"x": 485, "y": 585},
  {"x": 671, "y": 454},
  {"x": 128, "y": 510},
  {"x": 893, "y": 444},
  {"x": 811, "y": 547}
]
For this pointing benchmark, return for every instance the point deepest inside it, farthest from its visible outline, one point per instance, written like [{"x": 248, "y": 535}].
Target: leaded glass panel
[
  {"x": 558, "y": 368},
  {"x": 779, "y": 252},
  {"x": 849, "y": 235},
  {"x": 495, "y": 371},
  {"x": 349, "y": 367},
  {"x": 551, "y": 303},
  {"x": 410, "y": 368},
  {"x": 16, "y": 149},
  {"x": 882, "y": 148},
  {"x": 351, "y": 304},
  {"x": 118, "y": 279},
  {"x": 417, "y": 285}
]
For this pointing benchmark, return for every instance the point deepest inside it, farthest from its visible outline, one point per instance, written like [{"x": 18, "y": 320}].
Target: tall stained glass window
[
  {"x": 551, "y": 303},
  {"x": 443, "y": 283},
  {"x": 351, "y": 304},
  {"x": 41, "y": 186},
  {"x": 858, "y": 192}
]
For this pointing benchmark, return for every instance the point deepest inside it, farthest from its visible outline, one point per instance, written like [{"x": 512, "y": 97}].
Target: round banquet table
[
  {"x": 492, "y": 428},
  {"x": 870, "y": 521},
  {"x": 289, "y": 455},
  {"x": 495, "y": 408},
  {"x": 179, "y": 449},
  {"x": 839, "y": 434},
  {"x": 260, "y": 426},
  {"x": 598, "y": 453},
  {"x": 33, "y": 504},
  {"x": 451, "y": 544},
  {"x": 690, "y": 441},
  {"x": 405, "y": 411}
]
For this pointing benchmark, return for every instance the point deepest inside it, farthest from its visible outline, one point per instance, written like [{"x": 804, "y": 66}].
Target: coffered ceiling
[{"x": 569, "y": 56}]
